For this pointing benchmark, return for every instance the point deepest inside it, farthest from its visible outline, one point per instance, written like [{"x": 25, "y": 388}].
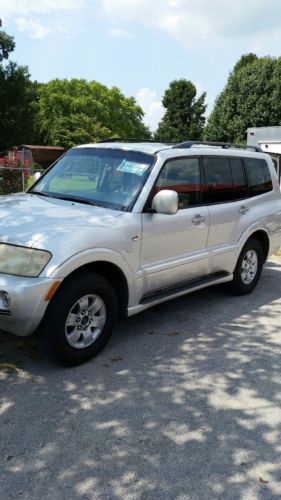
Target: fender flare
[{"x": 77, "y": 261}]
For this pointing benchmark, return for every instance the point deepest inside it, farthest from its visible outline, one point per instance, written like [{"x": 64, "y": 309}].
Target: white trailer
[{"x": 269, "y": 140}]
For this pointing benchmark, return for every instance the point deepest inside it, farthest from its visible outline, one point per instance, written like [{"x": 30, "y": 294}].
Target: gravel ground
[{"x": 184, "y": 403}]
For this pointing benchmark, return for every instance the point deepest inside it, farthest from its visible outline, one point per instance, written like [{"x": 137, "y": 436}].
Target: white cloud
[
  {"x": 152, "y": 107},
  {"x": 25, "y": 7},
  {"x": 119, "y": 33},
  {"x": 23, "y": 12},
  {"x": 195, "y": 22},
  {"x": 33, "y": 27}
]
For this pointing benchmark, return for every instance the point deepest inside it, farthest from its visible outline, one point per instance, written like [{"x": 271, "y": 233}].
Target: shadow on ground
[{"x": 184, "y": 403}]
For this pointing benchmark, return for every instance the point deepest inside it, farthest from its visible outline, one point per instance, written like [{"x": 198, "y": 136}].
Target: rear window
[{"x": 258, "y": 176}]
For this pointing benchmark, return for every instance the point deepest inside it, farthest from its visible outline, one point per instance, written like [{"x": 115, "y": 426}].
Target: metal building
[
  {"x": 269, "y": 139},
  {"x": 43, "y": 155}
]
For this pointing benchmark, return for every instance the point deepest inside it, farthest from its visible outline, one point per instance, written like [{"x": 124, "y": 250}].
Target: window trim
[
  {"x": 147, "y": 209},
  {"x": 204, "y": 202},
  {"x": 234, "y": 200}
]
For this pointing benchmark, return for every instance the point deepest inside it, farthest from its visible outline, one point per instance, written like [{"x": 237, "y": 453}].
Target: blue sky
[{"x": 141, "y": 45}]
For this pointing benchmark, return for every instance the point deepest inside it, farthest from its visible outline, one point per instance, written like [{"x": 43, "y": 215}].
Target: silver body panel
[
  {"x": 27, "y": 306},
  {"x": 152, "y": 250}
]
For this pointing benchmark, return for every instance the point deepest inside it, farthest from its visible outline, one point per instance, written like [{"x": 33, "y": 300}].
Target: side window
[
  {"x": 218, "y": 179},
  {"x": 238, "y": 179},
  {"x": 182, "y": 176},
  {"x": 258, "y": 175}
]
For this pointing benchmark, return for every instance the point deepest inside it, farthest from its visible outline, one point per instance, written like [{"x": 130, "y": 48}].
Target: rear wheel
[
  {"x": 80, "y": 319},
  {"x": 248, "y": 268}
]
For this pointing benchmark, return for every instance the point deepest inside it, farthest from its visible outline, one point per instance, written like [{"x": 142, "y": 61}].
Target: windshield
[{"x": 110, "y": 178}]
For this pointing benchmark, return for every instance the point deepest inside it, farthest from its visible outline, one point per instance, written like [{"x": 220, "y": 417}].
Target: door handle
[
  {"x": 243, "y": 209},
  {"x": 197, "y": 219}
]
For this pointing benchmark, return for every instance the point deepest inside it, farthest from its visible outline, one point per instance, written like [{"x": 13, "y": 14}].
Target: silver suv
[{"x": 121, "y": 226}]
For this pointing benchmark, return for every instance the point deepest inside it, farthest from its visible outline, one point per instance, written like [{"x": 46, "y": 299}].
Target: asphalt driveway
[{"x": 184, "y": 403}]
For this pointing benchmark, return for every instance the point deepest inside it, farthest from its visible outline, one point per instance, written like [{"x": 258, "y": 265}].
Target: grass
[
  {"x": 30, "y": 181},
  {"x": 78, "y": 183},
  {"x": 75, "y": 183}
]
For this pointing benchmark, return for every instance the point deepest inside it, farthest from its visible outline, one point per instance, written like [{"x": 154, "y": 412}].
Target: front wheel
[
  {"x": 248, "y": 268},
  {"x": 80, "y": 319}
]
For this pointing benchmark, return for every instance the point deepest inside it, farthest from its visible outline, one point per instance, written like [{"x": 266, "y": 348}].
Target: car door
[
  {"x": 229, "y": 207},
  {"x": 174, "y": 246}
]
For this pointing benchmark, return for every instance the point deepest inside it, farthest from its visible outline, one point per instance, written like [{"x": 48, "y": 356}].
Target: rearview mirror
[{"x": 166, "y": 202}]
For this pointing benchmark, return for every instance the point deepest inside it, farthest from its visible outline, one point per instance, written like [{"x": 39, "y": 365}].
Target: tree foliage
[
  {"x": 184, "y": 117},
  {"x": 7, "y": 45},
  {"x": 251, "y": 98},
  {"x": 61, "y": 112},
  {"x": 244, "y": 61},
  {"x": 17, "y": 111},
  {"x": 76, "y": 111},
  {"x": 17, "y": 97}
]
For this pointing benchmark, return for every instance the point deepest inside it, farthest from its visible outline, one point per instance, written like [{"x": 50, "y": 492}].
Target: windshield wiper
[
  {"x": 85, "y": 201},
  {"x": 77, "y": 200},
  {"x": 66, "y": 198},
  {"x": 42, "y": 193}
]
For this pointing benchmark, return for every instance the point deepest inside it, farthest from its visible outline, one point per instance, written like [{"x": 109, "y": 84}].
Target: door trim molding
[{"x": 183, "y": 286}]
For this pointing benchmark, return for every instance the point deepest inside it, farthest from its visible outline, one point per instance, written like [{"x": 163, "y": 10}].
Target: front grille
[{"x": 5, "y": 312}]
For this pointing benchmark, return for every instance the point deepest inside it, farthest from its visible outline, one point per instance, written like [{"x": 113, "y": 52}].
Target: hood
[{"x": 26, "y": 218}]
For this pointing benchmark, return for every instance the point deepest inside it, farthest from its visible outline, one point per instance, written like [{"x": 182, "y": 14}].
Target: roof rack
[
  {"x": 125, "y": 139},
  {"x": 223, "y": 145}
]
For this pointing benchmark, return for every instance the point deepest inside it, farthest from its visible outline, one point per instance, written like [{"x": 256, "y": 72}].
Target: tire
[
  {"x": 84, "y": 304},
  {"x": 246, "y": 275}
]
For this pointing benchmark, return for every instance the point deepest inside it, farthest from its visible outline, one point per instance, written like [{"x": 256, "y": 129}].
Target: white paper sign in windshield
[{"x": 131, "y": 167}]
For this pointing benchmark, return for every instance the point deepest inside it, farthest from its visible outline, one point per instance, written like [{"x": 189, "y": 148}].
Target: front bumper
[{"x": 28, "y": 303}]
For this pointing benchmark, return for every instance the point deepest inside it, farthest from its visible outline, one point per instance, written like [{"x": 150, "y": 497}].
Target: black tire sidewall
[
  {"x": 239, "y": 286},
  {"x": 68, "y": 293}
]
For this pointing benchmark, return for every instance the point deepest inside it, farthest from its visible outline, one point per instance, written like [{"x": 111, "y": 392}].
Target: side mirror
[
  {"x": 37, "y": 176},
  {"x": 166, "y": 202}
]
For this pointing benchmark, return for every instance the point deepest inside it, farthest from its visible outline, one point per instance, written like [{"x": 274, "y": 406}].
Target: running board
[{"x": 182, "y": 287}]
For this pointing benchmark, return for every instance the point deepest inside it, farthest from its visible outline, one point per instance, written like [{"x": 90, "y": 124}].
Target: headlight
[{"x": 22, "y": 261}]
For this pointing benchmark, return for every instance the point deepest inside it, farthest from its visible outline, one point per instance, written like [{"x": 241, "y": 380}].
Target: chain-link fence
[{"x": 15, "y": 180}]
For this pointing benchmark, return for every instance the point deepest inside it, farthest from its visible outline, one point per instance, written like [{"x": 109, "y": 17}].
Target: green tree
[
  {"x": 17, "y": 113},
  {"x": 17, "y": 99},
  {"x": 244, "y": 61},
  {"x": 75, "y": 111},
  {"x": 61, "y": 112},
  {"x": 184, "y": 117},
  {"x": 251, "y": 98},
  {"x": 7, "y": 44}
]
